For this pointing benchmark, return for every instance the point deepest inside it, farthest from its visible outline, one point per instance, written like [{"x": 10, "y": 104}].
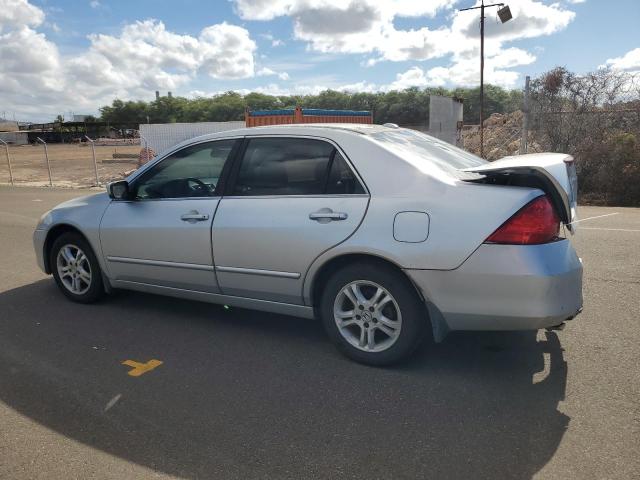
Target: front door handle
[
  {"x": 193, "y": 216},
  {"x": 327, "y": 215}
]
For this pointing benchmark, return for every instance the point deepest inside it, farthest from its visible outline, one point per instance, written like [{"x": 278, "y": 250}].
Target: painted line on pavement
[
  {"x": 597, "y": 216},
  {"x": 112, "y": 402},
  {"x": 610, "y": 229},
  {"x": 141, "y": 368}
]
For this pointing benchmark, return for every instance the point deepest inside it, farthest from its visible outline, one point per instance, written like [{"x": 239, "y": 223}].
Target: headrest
[{"x": 270, "y": 175}]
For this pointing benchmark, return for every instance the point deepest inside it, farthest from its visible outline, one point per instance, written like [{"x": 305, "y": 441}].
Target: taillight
[{"x": 537, "y": 222}]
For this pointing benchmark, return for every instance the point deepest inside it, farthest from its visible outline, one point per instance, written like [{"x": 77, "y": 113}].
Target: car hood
[{"x": 88, "y": 200}]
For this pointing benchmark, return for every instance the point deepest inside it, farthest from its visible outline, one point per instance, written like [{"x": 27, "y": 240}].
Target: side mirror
[{"x": 119, "y": 190}]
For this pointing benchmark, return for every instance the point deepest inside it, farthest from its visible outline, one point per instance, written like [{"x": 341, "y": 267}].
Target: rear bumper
[{"x": 507, "y": 287}]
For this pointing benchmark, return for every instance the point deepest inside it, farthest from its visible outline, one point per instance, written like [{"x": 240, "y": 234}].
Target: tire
[
  {"x": 71, "y": 258},
  {"x": 402, "y": 322}
]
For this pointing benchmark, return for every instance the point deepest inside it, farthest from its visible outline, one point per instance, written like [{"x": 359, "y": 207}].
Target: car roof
[
  {"x": 296, "y": 128},
  {"x": 362, "y": 128}
]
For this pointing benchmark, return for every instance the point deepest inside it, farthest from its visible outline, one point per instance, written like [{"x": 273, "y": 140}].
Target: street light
[{"x": 504, "y": 13}]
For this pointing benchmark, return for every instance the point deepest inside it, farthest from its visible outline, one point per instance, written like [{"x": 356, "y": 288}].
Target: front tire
[
  {"x": 76, "y": 269},
  {"x": 373, "y": 314}
]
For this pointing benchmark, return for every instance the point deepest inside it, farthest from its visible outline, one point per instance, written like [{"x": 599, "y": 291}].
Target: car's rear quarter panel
[{"x": 461, "y": 215}]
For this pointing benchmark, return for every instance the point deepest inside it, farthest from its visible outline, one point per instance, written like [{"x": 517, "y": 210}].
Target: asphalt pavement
[{"x": 244, "y": 394}]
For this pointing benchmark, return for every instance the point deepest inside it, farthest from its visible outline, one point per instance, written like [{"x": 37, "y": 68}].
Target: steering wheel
[{"x": 200, "y": 187}]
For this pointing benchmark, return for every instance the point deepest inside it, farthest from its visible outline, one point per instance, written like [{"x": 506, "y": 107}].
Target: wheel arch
[
  {"x": 437, "y": 323},
  {"x": 333, "y": 264},
  {"x": 52, "y": 235}
]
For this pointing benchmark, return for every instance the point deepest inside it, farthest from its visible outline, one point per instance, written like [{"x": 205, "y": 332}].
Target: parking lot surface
[{"x": 244, "y": 394}]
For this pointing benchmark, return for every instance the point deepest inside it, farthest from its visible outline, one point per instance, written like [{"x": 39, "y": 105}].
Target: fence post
[
  {"x": 6, "y": 147},
  {"x": 146, "y": 150},
  {"x": 46, "y": 155},
  {"x": 95, "y": 164},
  {"x": 524, "y": 140}
]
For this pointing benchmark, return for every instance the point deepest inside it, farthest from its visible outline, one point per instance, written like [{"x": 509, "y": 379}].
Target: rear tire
[
  {"x": 373, "y": 314},
  {"x": 76, "y": 269}
]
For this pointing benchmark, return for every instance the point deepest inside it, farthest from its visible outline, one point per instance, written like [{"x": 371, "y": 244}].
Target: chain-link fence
[
  {"x": 80, "y": 164},
  {"x": 594, "y": 117}
]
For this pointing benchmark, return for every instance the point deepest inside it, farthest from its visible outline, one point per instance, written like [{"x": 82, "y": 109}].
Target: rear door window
[
  {"x": 341, "y": 180},
  {"x": 424, "y": 148},
  {"x": 288, "y": 166}
]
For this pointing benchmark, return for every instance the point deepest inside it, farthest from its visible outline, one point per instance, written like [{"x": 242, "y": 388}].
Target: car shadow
[{"x": 244, "y": 394}]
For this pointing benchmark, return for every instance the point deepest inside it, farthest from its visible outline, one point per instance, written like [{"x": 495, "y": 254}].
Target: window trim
[
  {"x": 237, "y": 162},
  {"x": 224, "y": 174}
]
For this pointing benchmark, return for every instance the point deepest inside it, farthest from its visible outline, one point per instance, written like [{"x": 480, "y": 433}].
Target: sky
[{"x": 66, "y": 57}]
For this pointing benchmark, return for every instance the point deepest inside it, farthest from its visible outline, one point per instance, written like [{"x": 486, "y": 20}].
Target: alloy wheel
[
  {"x": 74, "y": 269},
  {"x": 367, "y": 316}
]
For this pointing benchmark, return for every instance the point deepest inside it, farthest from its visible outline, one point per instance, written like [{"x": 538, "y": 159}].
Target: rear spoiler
[{"x": 554, "y": 173}]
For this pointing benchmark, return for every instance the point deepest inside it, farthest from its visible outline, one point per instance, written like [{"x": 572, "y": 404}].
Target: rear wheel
[
  {"x": 373, "y": 314},
  {"x": 76, "y": 269}
]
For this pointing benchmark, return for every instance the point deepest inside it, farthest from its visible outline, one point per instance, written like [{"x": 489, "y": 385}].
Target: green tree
[{"x": 405, "y": 107}]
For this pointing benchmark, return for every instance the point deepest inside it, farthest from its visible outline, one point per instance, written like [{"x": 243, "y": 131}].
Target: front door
[
  {"x": 162, "y": 235},
  {"x": 290, "y": 200}
]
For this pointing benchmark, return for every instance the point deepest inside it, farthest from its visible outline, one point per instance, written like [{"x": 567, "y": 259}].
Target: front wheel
[
  {"x": 373, "y": 314},
  {"x": 76, "y": 269}
]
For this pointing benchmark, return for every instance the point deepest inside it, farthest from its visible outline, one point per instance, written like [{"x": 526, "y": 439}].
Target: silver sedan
[{"x": 385, "y": 234}]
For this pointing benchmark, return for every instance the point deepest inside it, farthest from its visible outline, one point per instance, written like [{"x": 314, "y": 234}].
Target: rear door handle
[
  {"x": 193, "y": 216},
  {"x": 327, "y": 214}
]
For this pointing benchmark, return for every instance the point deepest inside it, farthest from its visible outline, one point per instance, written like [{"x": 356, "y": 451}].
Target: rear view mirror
[{"x": 119, "y": 190}]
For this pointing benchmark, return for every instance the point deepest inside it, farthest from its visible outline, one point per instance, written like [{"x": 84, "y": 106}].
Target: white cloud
[
  {"x": 266, "y": 71},
  {"x": 629, "y": 61},
  {"x": 262, "y": 9},
  {"x": 466, "y": 72},
  {"x": 227, "y": 51},
  {"x": 269, "y": 89},
  {"x": 94, "y": 4},
  {"x": 19, "y": 13},
  {"x": 144, "y": 56},
  {"x": 369, "y": 27},
  {"x": 275, "y": 42},
  {"x": 270, "y": 9},
  {"x": 414, "y": 77},
  {"x": 363, "y": 86}
]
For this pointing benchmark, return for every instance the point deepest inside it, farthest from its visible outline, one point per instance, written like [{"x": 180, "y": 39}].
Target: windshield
[{"x": 426, "y": 149}]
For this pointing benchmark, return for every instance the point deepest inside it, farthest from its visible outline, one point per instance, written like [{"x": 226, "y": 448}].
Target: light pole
[{"x": 505, "y": 15}]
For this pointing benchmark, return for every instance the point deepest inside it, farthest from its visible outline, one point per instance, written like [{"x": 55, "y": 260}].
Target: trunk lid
[{"x": 554, "y": 173}]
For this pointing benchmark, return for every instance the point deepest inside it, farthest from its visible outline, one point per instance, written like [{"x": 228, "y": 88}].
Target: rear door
[{"x": 289, "y": 199}]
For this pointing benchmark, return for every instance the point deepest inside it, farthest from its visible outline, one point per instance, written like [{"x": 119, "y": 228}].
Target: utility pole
[
  {"x": 505, "y": 15},
  {"x": 482, "y": 79},
  {"x": 524, "y": 140}
]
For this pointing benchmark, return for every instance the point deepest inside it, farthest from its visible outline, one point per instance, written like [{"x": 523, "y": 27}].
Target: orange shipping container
[{"x": 258, "y": 118}]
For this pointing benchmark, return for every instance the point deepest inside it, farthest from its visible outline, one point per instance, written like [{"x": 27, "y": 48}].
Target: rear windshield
[{"x": 424, "y": 148}]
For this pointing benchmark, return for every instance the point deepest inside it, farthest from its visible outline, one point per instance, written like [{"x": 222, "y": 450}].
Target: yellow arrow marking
[{"x": 140, "y": 368}]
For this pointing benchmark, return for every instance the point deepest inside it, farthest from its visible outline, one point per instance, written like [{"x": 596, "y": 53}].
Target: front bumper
[
  {"x": 39, "y": 237},
  {"x": 507, "y": 287}
]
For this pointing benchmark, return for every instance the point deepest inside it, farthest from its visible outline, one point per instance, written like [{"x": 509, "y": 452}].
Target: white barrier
[{"x": 161, "y": 136}]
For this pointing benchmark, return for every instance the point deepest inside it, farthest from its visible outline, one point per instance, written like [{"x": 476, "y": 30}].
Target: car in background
[{"x": 386, "y": 234}]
